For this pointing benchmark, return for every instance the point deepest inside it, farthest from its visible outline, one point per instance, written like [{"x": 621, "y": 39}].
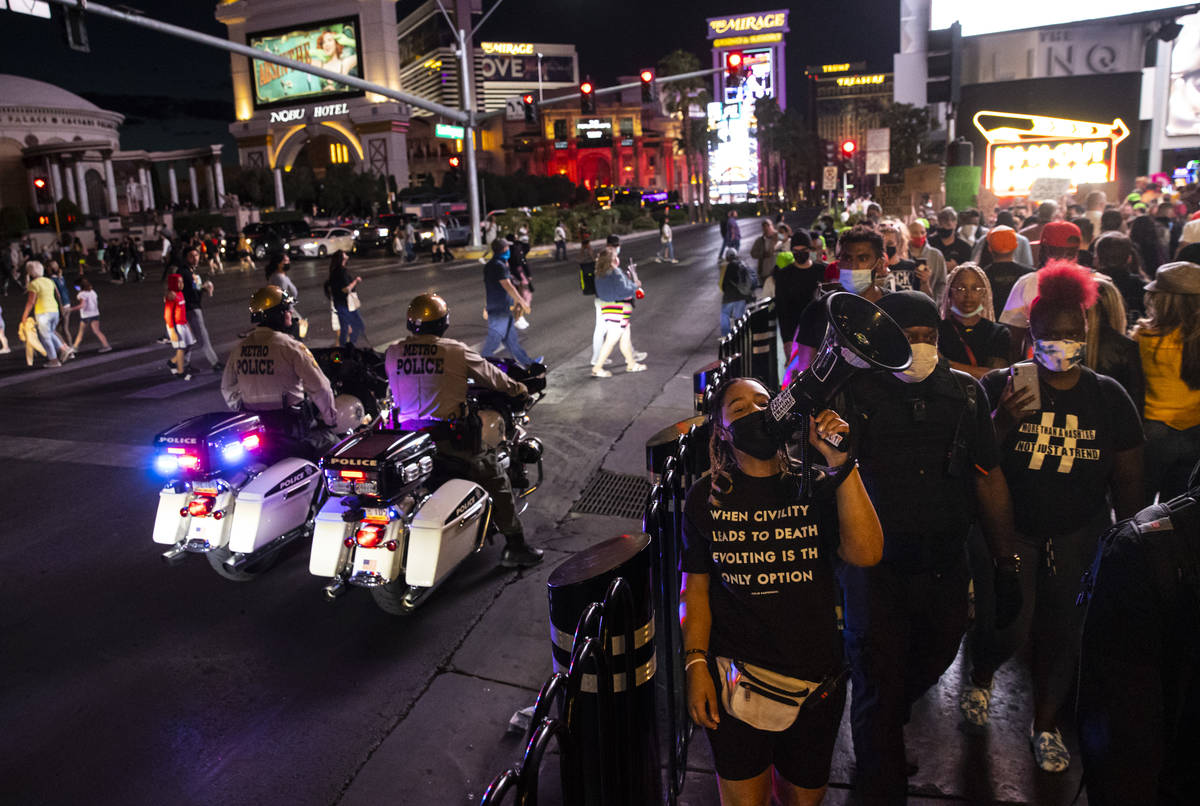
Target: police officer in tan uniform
[
  {"x": 271, "y": 373},
  {"x": 428, "y": 376}
]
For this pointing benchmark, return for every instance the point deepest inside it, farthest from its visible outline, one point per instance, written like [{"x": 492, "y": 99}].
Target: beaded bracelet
[{"x": 703, "y": 652}]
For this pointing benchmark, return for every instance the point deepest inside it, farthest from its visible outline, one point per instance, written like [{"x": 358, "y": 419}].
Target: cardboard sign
[
  {"x": 923, "y": 179},
  {"x": 1110, "y": 189},
  {"x": 894, "y": 200},
  {"x": 879, "y": 162},
  {"x": 1049, "y": 187}
]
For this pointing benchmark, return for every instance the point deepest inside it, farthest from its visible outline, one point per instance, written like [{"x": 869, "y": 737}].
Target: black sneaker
[{"x": 520, "y": 555}]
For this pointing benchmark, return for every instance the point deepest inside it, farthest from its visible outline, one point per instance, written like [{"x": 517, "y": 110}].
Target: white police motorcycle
[{"x": 397, "y": 522}]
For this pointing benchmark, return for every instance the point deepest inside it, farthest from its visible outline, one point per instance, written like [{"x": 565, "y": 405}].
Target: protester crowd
[{"x": 1054, "y": 389}]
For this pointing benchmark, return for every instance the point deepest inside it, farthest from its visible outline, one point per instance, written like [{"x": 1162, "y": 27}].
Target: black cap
[
  {"x": 910, "y": 309},
  {"x": 613, "y": 240}
]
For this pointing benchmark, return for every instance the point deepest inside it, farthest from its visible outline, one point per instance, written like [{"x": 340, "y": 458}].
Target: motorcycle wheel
[
  {"x": 217, "y": 558},
  {"x": 395, "y": 598}
]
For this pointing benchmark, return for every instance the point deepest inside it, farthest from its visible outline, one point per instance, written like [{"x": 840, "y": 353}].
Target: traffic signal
[
  {"x": 735, "y": 66},
  {"x": 848, "y": 149},
  {"x": 75, "y": 33},
  {"x": 647, "y": 77},
  {"x": 41, "y": 189},
  {"x": 527, "y": 102},
  {"x": 830, "y": 152},
  {"x": 454, "y": 162},
  {"x": 943, "y": 61},
  {"x": 587, "y": 98}
]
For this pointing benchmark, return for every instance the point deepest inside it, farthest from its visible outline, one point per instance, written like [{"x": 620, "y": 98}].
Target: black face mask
[
  {"x": 752, "y": 436},
  {"x": 945, "y": 233},
  {"x": 800, "y": 257},
  {"x": 891, "y": 251}
]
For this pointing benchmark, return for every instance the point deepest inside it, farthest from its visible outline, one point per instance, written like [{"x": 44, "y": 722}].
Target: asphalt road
[{"x": 124, "y": 681}]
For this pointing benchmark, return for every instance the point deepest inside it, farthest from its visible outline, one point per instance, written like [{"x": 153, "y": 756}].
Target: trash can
[{"x": 631, "y": 773}]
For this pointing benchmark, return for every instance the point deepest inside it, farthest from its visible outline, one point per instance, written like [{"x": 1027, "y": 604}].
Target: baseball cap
[
  {"x": 613, "y": 240},
  {"x": 1060, "y": 233},
  {"x": 1176, "y": 278},
  {"x": 1002, "y": 239},
  {"x": 499, "y": 245}
]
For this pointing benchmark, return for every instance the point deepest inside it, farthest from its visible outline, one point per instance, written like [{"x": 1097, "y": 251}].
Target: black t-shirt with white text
[
  {"x": 768, "y": 555},
  {"x": 903, "y": 276},
  {"x": 1058, "y": 460}
]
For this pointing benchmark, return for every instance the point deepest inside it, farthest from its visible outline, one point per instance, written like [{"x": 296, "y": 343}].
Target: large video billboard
[
  {"x": 1016, "y": 15},
  {"x": 733, "y": 158},
  {"x": 332, "y": 45},
  {"x": 1183, "y": 104}
]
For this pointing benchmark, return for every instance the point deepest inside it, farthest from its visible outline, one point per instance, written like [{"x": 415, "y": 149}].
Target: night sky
[{"x": 177, "y": 94}]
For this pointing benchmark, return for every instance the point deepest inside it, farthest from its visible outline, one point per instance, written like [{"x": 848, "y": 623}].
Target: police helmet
[
  {"x": 428, "y": 314},
  {"x": 268, "y": 306}
]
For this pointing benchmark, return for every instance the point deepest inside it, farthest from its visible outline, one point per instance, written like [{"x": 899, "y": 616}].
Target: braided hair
[{"x": 721, "y": 459}]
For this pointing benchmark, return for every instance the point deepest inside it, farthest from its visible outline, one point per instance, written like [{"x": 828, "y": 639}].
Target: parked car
[
  {"x": 322, "y": 242},
  {"x": 273, "y": 236},
  {"x": 458, "y": 233}
]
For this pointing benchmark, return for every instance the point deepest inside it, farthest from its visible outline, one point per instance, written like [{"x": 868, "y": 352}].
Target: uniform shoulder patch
[{"x": 1163, "y": 524}]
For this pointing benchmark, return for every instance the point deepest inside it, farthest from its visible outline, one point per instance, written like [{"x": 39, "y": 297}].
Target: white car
[{"x": 322, "y": 242}]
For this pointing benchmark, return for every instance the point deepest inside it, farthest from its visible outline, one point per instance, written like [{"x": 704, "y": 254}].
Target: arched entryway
[{"x": 595, "y": 170}]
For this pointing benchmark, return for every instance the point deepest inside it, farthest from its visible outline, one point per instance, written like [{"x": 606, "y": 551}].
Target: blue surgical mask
[
  {"x": 504, "y": 255},
  {"x": 854, "y": 280}
]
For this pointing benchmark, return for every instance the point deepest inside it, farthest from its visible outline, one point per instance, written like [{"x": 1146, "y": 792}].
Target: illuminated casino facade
[
  {"x": 734, "y": 164},
  {"x": 846, "y": 101}
]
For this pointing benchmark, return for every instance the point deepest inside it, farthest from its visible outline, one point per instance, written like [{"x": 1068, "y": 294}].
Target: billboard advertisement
[
  {"x": 1016, "y": 15},
  {"x": 733, "y": 159},
  {"x": 332, "y": 45},
  {"x": 523, "y": 67},
  {"x": 1183, "y": 103}
]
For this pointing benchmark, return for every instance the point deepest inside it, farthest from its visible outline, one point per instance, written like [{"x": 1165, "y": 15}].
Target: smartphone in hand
[{"x": 1025, "y": 378}]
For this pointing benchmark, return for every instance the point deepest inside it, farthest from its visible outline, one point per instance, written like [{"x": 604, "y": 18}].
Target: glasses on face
[{"x": 963, "y": 290}]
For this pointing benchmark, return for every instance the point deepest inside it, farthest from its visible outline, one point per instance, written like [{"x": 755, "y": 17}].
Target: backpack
[
  {"x": 744, "y": 278},
  {"x": 587, "y": 278}
]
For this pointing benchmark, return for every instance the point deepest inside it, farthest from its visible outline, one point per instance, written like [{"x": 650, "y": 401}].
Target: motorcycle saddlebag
[
  {"x": 445, "y": 530},
  {"x": 274, "y": 503}
]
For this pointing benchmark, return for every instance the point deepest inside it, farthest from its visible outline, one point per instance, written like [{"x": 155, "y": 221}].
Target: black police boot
[{"x": 519, "y": 554}]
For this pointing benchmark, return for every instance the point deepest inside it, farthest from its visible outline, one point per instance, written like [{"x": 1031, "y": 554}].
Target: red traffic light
[
  {"x": 586, "y": 88},
  {"x": 454, "y": 162},
  {"x": 647, "y": 76},
  {"x": 527, "y": 99},
  {"x": 733, "y": 60},
  {"x": 849, "y": 147},
  {"x": 39, "y": 183}
]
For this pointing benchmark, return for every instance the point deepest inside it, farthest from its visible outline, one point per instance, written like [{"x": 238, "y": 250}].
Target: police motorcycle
[
  {"x": 398, "y": 519},
  {"x": 236, "y": 489}
]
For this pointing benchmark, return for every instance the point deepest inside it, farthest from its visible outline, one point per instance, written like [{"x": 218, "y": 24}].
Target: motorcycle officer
[
  {"x": 428, "y": 377},
  {"x": 270, "y": 373}
]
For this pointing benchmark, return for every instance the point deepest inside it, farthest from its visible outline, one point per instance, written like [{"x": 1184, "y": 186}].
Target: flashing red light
[
  {"x": 454, "y": 162},
  {"x": 647, "y": 76},
  {"x": 849, "y": 147},
  {"x": 733, "y": 60},
  {"x": 189, "y": 462},
  {"x": 251, "y": 442},
  {"x": 369, "y": 535},
  {"x": 39, "y": 183},
  {"x": 586, "y": 88},
  {"x": 527, "y": 99},
  {"x": 352, "y": 475},
  {"x": 348, "y": 542}
]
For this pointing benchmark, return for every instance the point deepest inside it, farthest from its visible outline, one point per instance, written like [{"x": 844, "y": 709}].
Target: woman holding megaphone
[{"x": 763, "y": 658}]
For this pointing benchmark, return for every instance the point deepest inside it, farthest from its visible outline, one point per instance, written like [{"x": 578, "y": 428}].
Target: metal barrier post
[{"x": 575, "y": 589}]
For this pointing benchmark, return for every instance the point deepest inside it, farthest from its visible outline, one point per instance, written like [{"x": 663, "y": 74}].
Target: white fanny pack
[{"x": 759, "y": 697}]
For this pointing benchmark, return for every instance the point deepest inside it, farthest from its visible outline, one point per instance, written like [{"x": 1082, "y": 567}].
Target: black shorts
[{"x": 801, "y": 754}]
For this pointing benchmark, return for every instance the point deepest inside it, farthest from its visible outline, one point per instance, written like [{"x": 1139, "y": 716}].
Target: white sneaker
[
  {"x": 599, "y": 372},
  {"x": 1049, "y": 751},
  {"x": 974, "y": 703},
  {"x": 5, "y": 351},
  {"x": 639, "y": 356},
  {"x": 521, "y": 323}
]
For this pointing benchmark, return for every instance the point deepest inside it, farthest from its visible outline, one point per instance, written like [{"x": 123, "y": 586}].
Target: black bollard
[
  {"x": 630, "y": 773},
  {"x": 663, "y": 443}
]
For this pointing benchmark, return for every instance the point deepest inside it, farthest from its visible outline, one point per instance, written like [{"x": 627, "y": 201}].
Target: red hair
[{"x": 1063, "y": 285}]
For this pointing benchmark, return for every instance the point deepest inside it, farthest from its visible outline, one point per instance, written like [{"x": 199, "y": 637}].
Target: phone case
[{"x": 1024, "y": 376}]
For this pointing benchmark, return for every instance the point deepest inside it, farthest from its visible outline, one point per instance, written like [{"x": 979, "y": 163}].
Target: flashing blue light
[
  {"x": 233, "y": 452},
  {"x": 165, "y": 464}
]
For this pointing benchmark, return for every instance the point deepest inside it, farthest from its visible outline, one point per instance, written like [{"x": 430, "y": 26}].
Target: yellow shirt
[
  {"x": 1168, "y": 398},
  {"x": 44, "y": 288}
]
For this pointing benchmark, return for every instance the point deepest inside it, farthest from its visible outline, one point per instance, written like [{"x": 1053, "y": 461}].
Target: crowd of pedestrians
[{"x": 1054, "y": 388}]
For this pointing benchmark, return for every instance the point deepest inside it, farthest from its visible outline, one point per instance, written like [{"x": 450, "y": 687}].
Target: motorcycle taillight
[
  {"x": 200, "y": 506},
  {"x": 370, "y": 535}
]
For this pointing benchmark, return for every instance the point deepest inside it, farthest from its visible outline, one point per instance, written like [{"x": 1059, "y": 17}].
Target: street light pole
[
  {"x": 465, "y": 62},
  {"x": 539, "y": 77}
]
